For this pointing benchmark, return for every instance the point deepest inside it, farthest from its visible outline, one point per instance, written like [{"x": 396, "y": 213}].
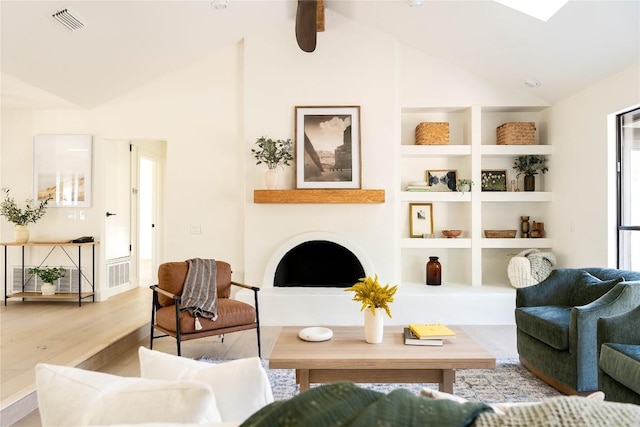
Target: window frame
[{"x": 620, "y": 186}]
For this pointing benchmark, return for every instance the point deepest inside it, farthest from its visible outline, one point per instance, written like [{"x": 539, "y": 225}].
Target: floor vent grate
[
  {"x": 68, "y": 283},
  {"x": 118, "y": 272}
]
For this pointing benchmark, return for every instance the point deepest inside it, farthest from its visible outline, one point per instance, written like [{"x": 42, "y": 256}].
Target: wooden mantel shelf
[{"x": 318, "y": 196}]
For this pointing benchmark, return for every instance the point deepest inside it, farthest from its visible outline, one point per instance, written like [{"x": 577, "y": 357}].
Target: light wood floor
[{"x": 105, "y": 336}]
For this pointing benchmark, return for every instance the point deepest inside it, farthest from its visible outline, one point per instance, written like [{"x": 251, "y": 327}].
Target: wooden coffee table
[{"x": 347, "y": 357}]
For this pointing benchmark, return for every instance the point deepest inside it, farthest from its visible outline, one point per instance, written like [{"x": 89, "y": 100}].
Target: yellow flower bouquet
[{"x": 372, "y": 295}]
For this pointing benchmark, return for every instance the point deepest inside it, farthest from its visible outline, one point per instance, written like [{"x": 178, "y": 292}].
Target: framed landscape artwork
[
  {"x": 62, "y": 169},
  {"x": 442, "y": 180},
  {"x": 327, "y": 147},
  {"x": 420, "y": 219},
  {"x": 494, "y": 180}
]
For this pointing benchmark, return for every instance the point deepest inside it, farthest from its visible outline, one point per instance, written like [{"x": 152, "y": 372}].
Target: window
[{"x": 629, "y": 190}]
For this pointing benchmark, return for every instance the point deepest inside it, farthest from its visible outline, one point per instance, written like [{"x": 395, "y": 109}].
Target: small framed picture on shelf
[
  {"x": 420, "y": 219},
  {"x": 494, "y": 179},
  {"x": 442, "y": 180}
]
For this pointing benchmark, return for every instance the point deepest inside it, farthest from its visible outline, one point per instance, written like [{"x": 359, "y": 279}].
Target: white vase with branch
[{"x": 273, "y": 154}]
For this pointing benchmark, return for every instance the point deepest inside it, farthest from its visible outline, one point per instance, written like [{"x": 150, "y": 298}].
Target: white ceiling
[{"x": 127, "y": 43}]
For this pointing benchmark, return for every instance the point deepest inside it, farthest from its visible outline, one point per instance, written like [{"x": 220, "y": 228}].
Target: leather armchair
[
  {"x": 166, "y": 317},
  {"x": 556, "y": 323}
]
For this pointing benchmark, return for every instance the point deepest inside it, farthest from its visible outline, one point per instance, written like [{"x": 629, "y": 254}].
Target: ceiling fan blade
[{"x": 306, "y": 22}]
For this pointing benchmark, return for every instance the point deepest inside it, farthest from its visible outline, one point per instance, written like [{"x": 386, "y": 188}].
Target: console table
[{"x": 65, "y": 247}]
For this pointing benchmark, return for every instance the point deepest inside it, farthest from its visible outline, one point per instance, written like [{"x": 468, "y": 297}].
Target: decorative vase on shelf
[
  {"x": 48, "y": 289},
  {"x": 434, "y": 272},
  {"x": 373, "y": 326},
  {"x": 529, "y": 183},
  {"x": 524, "y": 227},
  {"x": 21, "y": 233},
  {"x": 271, "y": 179}
]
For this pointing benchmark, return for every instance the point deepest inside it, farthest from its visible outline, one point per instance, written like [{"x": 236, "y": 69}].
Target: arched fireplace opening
[{"x": 318, "y": 263}]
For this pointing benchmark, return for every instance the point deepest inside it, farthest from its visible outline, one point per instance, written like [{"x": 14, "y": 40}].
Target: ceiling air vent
[{"x": 70, "y": 22}]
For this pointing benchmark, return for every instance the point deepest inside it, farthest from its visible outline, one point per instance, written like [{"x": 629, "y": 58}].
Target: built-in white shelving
[
  {"x": 435, "y": 243},
  {"x": 433, "y": 196},
  {"x": 470, "y": 259},
  {"x": 515, "y": 243}
]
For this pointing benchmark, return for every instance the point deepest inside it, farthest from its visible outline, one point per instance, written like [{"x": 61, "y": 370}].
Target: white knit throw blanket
[
  {"x": 541, "y": 264},
  {"x": 200, "y": 296}
]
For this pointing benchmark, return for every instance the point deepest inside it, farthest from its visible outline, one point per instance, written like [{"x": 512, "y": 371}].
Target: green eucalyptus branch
[
  {"x": 273, "y": 153},
  {"x": 31, "y": 213}
]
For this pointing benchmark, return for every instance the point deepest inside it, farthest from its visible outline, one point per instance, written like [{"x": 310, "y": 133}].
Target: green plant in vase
[
  {"x": 529, "y": 166},
  {"x": 464, "y": 185},
  {"x": 273, "y": 154},
  {"x": 22, "y": 217},
  {"x": 48, "y": 275}
]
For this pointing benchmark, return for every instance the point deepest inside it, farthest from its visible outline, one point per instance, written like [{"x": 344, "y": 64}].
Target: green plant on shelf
[
  {"x": 464, "y": 185},
  {"x": 48, "y": 274},
  {"x": 529, "y": 165}
]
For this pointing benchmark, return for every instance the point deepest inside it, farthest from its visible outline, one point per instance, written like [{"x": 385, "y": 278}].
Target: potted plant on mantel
[
  {"x": 22, "y": 217},
  {"x": 48, "y": 275},
  {"x": 273, "y": 154},
  {"x": 372, "y": 295},
  {"x": 529, "y": 166}
]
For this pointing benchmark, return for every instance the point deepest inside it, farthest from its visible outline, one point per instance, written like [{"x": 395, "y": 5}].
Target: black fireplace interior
[{"x": 318, "y": 263}]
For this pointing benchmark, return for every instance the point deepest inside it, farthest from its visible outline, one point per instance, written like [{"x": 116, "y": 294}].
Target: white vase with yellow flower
[{"x": 373, "y": 296}]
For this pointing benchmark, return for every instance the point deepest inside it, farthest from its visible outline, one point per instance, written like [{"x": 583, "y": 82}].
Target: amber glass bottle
[{"x": 434, "y": 272}]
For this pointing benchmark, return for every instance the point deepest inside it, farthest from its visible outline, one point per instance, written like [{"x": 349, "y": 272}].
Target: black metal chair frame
[{"x": 179, "y": 336}]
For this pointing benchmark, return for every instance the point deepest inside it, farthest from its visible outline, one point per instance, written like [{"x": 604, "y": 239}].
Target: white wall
[
  {"x": 195, "y": 110},
  {"x": 211, "y": 112},
  {"x": 582, "y": 213},
  {"x": 351, "y": 66}
]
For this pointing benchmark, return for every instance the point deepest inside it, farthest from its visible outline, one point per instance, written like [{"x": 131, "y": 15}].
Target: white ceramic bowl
[{"x": 315, "y": 333}]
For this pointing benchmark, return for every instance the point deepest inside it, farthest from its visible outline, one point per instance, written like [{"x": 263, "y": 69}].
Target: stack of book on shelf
[
  {"x": 418, "y": 186},
  {"x": 432, "y": 334}
]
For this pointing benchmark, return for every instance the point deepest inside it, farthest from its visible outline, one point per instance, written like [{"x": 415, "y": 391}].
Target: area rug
[{"x": 508, "y": 382}]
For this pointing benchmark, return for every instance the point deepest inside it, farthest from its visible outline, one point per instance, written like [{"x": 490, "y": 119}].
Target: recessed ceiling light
[
  {"x": 415, "y": 3},
  {"x": 532, "y": 82},
  {"x": 219, "y": 4},
  {"x": 540, "y": 9}
]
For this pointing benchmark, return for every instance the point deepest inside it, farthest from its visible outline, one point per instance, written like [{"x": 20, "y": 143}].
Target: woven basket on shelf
[
  {"x": 432, "y": 133},
  {"x": 500, "y": 234},
  {"x": 516, "y": 133}
]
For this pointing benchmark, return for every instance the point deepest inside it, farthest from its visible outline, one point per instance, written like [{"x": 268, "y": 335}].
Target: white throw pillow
[
  {"x": 76, "y": 397},
  {"x": 241, "y": 387}
]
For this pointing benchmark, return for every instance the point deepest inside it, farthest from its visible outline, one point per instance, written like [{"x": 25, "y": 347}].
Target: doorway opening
[{"x": 148, "y": 156}]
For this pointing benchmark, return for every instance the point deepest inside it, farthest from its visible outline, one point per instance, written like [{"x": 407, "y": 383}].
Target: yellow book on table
[{"x": 431, "y": 331}]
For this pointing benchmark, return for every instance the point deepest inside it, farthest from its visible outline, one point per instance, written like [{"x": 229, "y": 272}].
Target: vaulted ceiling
[{"x": 127, "y": 43}]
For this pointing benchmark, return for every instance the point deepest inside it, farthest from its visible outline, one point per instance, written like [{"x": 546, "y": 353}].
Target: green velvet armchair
[
  {"x": 556, "y": 323},
  {"x": 619, "y": 357}
]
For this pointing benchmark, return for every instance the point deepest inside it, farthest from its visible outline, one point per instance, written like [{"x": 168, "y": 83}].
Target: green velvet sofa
[
  {"x": 556, "y": 323},
  {"x": 619, "y": 357}
]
